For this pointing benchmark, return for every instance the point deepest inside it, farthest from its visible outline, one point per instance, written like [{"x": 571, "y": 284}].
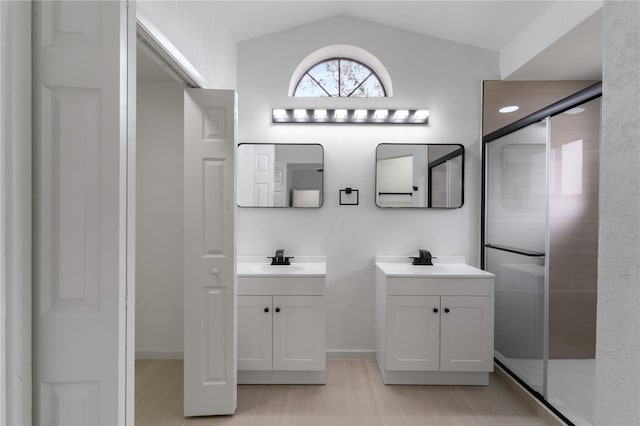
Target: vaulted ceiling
[
  {"x": 486, "y": 24},
  {"x": 537, "y": 40}
]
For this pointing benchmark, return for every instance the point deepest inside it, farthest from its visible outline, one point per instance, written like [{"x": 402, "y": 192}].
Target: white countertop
[
  {"x": 446, "y": 266},
  {"x": 301, "y": 266}
]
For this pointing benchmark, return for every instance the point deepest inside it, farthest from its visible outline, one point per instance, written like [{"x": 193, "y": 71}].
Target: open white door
[
  {"x": 81, "y": 134},
  {"x": 209, "y": 253}
]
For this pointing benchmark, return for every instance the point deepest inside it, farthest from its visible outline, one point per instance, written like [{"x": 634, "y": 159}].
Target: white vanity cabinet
[
  {"x": 434, "y": 326},
  {"x": 281, "y": 333},
  {"x": 412, "y": 333},
  {"x": 439, "y": 333},
  {"x": 466, "y": 333},
  {"x": 281, "y": 324},
  {"x": 255, "y": 333}
]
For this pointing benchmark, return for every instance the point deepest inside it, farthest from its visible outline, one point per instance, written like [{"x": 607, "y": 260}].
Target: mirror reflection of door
[
  {"x": 445, "y": 181},
  {"x": 305, "y": 181},
  {"x": 420, "y": 175},
  {"x": 280, "y": 187},
  {"x": 445, "y": 176},
  {"x": 454, "y": 179},
  {"x": 394, "y": 177},
  {"x": 280, "y": 175},
  {"x": 263, "y": 175}
]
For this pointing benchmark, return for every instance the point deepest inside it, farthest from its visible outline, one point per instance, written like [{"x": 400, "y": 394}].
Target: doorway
[
  {"x": 159, "y": 239},
  {"x": 186, "y": 192}
]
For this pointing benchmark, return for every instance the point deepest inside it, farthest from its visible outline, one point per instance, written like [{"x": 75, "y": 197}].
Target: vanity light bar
[{"x": 350, "y": 116}]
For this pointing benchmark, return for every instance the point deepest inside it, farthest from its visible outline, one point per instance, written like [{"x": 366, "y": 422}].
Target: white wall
[
  {"x": 618, "y": 329},
  {"x": 198, "y": 35},
  {"x": 426, "y": 72},
  {"x": 159, "y": 217}
]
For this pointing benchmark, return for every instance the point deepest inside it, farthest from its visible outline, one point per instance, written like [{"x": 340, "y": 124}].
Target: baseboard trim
[
  {"x": 331, "y": 354},
  {"x": 246, "y": 377},
  {"x": 159, "y": 355},
  {"x": 446, "y": 378},
  {"x": 530, "y": 401},
  {"x": 351, "y": 354}
]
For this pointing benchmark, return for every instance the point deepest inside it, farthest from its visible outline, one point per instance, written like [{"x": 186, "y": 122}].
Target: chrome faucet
[
  {"x": 424, "y": 258},
  {"x": 280, "y": 258}
]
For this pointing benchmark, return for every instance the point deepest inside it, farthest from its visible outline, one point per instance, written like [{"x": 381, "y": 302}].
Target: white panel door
[
  {"x": 209, "y": 253},
  {"x": 413, "y": 333},
  {"x": 299, "y": 333},
  {"x": 254, "y": 332},
  {"x": 467, "y": 333},
  {"x": 263, "y": 175},
  {"x": 80, "y": 119},
  {"x": 280, "y": 189}
]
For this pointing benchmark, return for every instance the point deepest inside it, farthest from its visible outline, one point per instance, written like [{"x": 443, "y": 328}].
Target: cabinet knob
[
  {"x": 446, "y": 310},
  {"x": 435, "y": 310},
  {"x": 277, "y": 309},
  {"x": 266, "y": 309},
  {"x": 215, "y": 271}
]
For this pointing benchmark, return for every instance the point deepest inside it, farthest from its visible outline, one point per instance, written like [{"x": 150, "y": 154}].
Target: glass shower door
[
  {"x": 515, "y": 247},
  {"x": 573, "y": 258}
]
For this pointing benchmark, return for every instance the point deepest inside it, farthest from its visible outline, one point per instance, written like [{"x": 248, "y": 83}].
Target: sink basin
[
  {"x": 437, "y": 270},
  {"x": 317, "y": 269},
  {"x": 281, "y": 268}
]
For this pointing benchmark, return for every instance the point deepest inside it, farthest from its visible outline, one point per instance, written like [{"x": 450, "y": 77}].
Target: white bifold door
[
  {"x": 83, "y": 230},
  {"x": 82, "y": 60},
  {"x": 209, "y": 253}
]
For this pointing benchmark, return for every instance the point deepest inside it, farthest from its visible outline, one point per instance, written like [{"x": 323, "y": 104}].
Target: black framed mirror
[
  {"x": 280, "y": 175},
  {"x": 420, "y": 176}
]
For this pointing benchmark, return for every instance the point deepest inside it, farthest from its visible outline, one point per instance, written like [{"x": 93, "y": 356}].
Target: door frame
[
  {"x": 15, "y": 205},
  {"x": 167, "y": 56}
]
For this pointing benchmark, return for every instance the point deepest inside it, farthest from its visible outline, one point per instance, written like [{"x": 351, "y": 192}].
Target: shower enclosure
[{"x": 540, "y": 239}]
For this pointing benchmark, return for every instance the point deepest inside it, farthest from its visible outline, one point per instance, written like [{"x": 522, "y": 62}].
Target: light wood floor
[{"x": 354, "y": 395}]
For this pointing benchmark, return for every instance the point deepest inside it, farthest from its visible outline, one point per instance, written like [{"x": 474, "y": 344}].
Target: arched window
[
  {"x": 340, "y": 77},
  {"x": 340, "y": 70}
]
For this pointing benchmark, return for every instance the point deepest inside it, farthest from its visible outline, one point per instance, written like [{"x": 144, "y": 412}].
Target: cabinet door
[
  {"x": 254, "y": 332},
  {"x": 413, "y": 332},
  {"x": 467, "y": 333},
  {"x": 299, "y": 327}
]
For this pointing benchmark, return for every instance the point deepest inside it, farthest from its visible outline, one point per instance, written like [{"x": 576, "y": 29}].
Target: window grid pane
[
  {"x": 309, "y": 88},
  {"x": 326, "y": 74},
  {"x": 371, "y": 88},
  {"x": 352, "y": 74}
]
